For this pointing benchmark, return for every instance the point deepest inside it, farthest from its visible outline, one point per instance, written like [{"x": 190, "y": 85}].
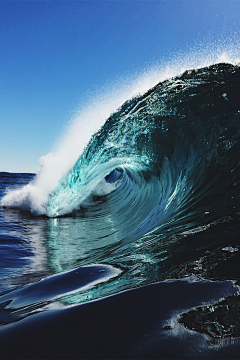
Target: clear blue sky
[{"x": 53, "y": 53}]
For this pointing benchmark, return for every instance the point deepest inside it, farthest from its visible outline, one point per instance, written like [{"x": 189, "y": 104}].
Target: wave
[
  {"x": 155, "y": 188},
  {"x": 169, "y": 155}
]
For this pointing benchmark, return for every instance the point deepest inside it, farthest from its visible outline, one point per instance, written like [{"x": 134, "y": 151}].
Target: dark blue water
[{"x": 153, "y": 199}]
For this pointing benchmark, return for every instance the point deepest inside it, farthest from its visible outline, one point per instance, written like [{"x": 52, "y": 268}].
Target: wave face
[{"x": 169, "y": 155}]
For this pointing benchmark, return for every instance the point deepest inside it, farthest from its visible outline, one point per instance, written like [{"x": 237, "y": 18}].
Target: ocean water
[{"x": 133, "y": 245}]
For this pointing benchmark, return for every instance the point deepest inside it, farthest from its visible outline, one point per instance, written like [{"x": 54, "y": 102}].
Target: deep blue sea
[{"x": 134, "y": 251}]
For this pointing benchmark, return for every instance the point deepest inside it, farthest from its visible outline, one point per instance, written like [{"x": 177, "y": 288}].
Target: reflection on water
[
  {"x": 97, "y": 235},
  {"x": 100, "y": 233},
  {"x": 80, "y": 240},
  {"x": 27, "y": 258}
]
